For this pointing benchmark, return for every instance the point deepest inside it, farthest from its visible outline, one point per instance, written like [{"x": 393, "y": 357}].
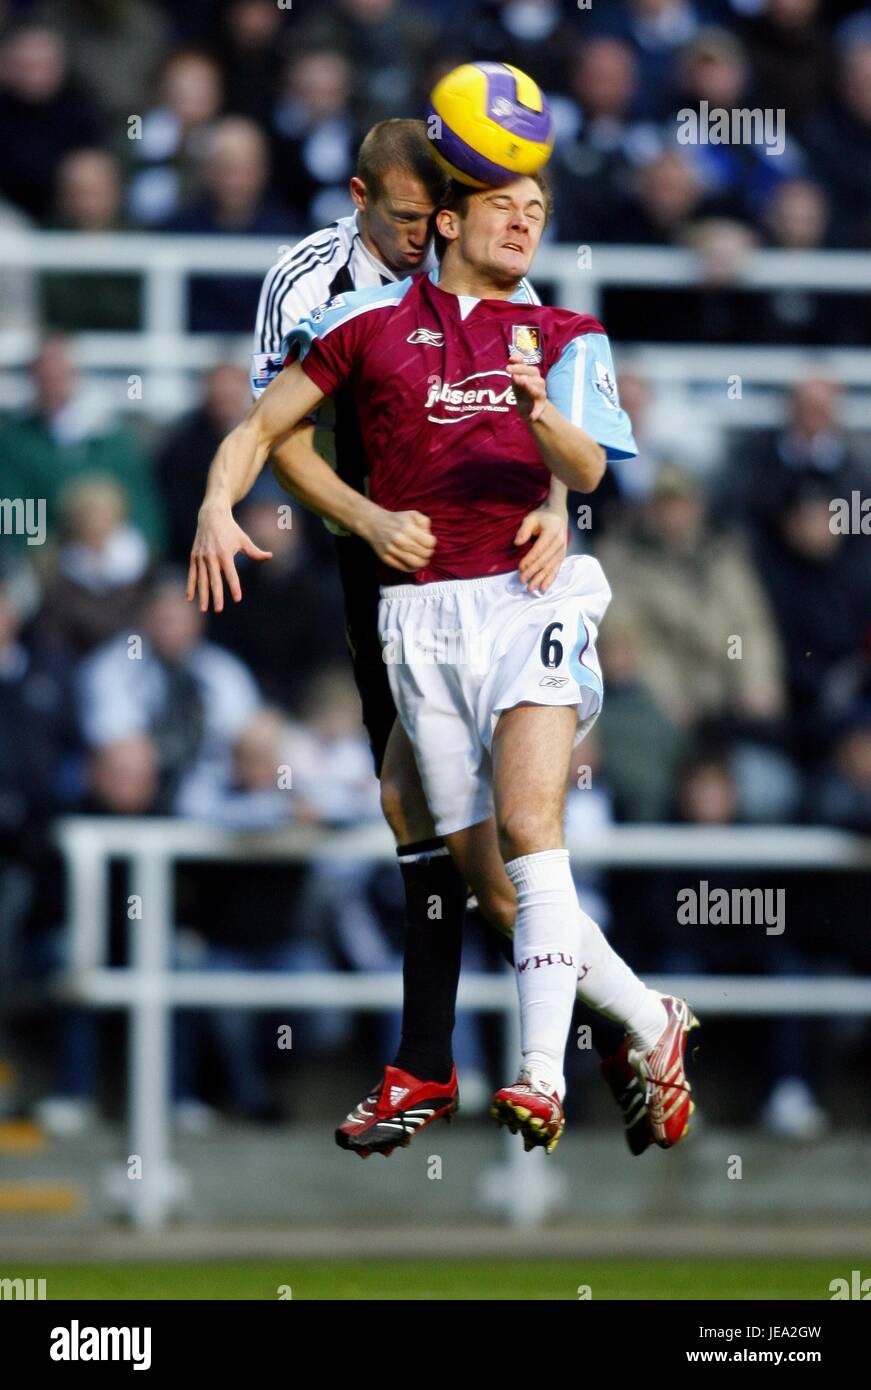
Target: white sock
[
  {"x": 606, "y": 984},
  {"x": 547, "y": 938}
]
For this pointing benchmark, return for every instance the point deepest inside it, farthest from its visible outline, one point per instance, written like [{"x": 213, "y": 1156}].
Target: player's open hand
[
  {"x": 217, "y": 542},
  {"x": 402, "y": 540},
  {"x": 540, "y": 565},
  {"x": 529, "y": 387}
]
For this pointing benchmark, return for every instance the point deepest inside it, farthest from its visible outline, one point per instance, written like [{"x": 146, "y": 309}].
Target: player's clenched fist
[
  {"x": 402, "y": 540},
  {"x": 529, "y": 387},
  {"x": 217, "y": 542}
]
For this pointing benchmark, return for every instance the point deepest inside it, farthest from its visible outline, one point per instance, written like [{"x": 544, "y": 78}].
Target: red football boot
[
  {"x": 530, "y": 1107},
  {"x": 661, "y": 1072},
  {"x": 628, "y": 1092},
  {"x": 395, "y": 1111}
]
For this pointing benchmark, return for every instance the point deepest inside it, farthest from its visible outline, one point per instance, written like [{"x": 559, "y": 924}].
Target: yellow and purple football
[{"x": 489, "y": 123}]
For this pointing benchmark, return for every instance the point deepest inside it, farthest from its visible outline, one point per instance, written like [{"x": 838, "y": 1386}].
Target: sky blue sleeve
[
  {"x": 583, "y": 387},
  {"x": 341, "y": 309}
]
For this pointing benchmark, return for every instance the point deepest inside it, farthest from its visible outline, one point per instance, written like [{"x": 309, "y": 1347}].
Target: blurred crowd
[
  {"x": 737, "y": 652},
  {"x": 244, "y": 117}
]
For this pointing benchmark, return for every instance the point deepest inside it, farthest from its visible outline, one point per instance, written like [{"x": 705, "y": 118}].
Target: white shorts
[{"x": 460, "y": 652}]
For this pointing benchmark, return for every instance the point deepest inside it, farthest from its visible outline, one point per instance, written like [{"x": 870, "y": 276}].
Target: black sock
[
  {"x": 435, "y": 895},
  {"x": 606, "y": 1036}
]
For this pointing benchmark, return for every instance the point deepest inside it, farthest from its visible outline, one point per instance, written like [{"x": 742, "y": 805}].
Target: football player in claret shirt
[
  {"x": 470, "y": 403},
  {"x": 396, "y": 189}
]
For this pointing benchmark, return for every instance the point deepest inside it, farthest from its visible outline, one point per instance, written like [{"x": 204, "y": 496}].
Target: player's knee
[{"x": 526, "y": 829}]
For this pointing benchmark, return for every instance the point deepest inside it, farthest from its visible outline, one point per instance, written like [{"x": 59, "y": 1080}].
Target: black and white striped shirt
[{"x": 328, "y": 262}]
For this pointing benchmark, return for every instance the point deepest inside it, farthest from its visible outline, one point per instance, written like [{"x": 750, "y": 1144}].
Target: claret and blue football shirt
[{"x": 441, "y": 431}]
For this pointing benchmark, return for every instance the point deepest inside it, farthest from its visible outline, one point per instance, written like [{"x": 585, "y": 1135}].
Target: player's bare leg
[
  {"x": 402, "y": 796},
  {"x": 531, "y": 750}
]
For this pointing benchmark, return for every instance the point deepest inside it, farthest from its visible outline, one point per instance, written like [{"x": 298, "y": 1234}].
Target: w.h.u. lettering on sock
[{"x": 552, "y": 958}]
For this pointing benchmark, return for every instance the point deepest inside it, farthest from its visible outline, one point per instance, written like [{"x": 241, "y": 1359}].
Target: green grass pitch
[{"x": 427, "y": 1280}]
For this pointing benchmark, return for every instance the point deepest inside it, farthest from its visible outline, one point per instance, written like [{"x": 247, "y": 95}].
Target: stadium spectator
[
  {"x": 690, "y": 593},
  {"x": 183, "y": 458},
  {"x": 234, "y": 174},
  {"x": 123, "y": 777},
  {"x": 315, "y": 136},
  {"x": 669, "y": 203},
  {"x": 811, "y": 444},
  {"x": 248, "y": 46},
  {"x": 739, "y": 173},
  {"x": 387, "y": 46},
  {"x": 843, "y": 797},
  {"x": 665, "y": 194},
  {"x": 791, "y": 54},
  {"x": 715, "y": 310},
  {"x": 593, "y": 160},
  {"x": 165, "y": 153},
  {"x": 89, "y": 199},
  {"x": 838, "y": 144},
  {"x": 62, "y": 438},
  {"x": 89, "y": 192},
  {"x": 641, "y": 746},
  {"x": 819, "y": 585},
  {"x": 290, "y": 621},
  {"x": 43, "y": 116},
  {"x": 114, "y": 46},
  {"x": 658, "y": 31},
  {"x": 254, "y": 790},
  {"x": 101, "y": 570},
  {"x": 166, "y": 682},
  {"x": 797, "y": 217}
]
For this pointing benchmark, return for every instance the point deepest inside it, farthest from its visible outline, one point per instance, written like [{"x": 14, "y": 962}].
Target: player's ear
[
  {"x": 447, "y": 223},
  {"x": 359, "y": 193}
]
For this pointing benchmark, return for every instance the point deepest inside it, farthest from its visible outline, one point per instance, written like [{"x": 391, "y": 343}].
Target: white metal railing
[
  {"x": 149, "y": 989},
  {"x": 168, "y": 357}
]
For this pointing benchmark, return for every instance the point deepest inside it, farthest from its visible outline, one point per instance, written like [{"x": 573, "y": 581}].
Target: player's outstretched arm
[
  {"x": 402, "y": 540},
  {"x": 572, "y": 455},
  {"x": 233, "y": 472}
]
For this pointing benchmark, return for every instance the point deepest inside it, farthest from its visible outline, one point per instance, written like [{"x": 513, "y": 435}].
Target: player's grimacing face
[
  {"x": 502, "y": 228},
  {"x": 399, "y": 222}
]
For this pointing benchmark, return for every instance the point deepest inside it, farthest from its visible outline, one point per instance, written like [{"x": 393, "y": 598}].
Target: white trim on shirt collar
[{"x": 518, "y": 297}]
